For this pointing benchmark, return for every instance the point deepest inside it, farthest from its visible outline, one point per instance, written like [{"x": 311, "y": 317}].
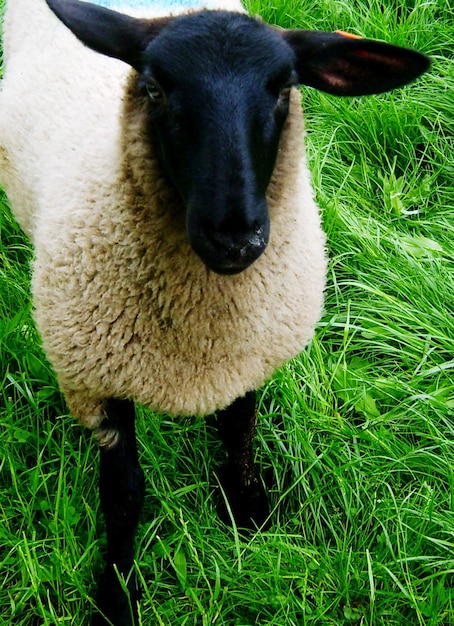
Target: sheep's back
[{"x": 60, "y": 105}]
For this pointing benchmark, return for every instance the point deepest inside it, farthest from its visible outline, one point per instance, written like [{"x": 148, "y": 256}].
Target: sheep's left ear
[
  {"x": 107, "y": 31},
  {"x": 345, "y": 65}
]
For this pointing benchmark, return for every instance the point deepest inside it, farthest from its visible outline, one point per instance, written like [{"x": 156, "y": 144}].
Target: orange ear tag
[{"x": 349, "y": 35}]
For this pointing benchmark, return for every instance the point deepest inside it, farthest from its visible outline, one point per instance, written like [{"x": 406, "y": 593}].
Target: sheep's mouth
[
  {"x": 229, "y": 270},
  {"x": 230, "y": 263}
]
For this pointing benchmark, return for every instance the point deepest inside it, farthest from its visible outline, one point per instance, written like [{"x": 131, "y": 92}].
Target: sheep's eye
[
  {"x": 154, "y": 92},
  {"x": 283, "y": 100},
  {"x": 285, "y": 92}
]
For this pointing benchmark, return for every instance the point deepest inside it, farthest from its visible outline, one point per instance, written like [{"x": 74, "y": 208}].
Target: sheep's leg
[
  {"x": 239, "y": 477},
  {"x": 121, "y": 489}
]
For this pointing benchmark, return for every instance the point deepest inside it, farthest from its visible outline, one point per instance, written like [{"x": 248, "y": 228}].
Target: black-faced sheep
[{"x": 179, "y": 255}]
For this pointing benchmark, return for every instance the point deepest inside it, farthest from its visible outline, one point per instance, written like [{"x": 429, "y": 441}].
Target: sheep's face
[{"x": 218, "y": 86}]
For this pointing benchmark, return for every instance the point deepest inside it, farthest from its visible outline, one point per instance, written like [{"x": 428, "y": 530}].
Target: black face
[{"x": 218, "y": 129}]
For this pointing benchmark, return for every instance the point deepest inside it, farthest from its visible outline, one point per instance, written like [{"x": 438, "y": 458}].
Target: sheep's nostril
[
  {"x": 230, "y": 254},
  {"x": 247, "y": 250},
  {"x": 231, "y": 244},
  {"x": 238, "y": 244}
]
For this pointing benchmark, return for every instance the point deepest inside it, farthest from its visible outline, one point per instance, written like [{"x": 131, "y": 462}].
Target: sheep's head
[{"x": 218, "y": 85}]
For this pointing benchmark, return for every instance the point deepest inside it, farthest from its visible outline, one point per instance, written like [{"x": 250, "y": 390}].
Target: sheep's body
[{"x": 124, "y": 306}]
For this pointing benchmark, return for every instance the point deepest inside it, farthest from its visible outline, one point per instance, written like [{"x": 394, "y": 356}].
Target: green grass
[{"x": 356, "y": 435}]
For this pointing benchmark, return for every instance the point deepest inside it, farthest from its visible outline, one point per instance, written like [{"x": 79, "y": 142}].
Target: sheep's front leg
[
  {"x": 121, "y": 489},
  {"x": 239, "y": 477}
]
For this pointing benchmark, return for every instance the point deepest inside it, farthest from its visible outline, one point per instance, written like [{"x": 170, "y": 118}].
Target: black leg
[
  {"x": 121, "y": 490},
  {"x": 239, "y": 477}
]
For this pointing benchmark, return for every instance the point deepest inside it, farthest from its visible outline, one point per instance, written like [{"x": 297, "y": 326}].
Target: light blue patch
[{"x": 170, "y": 5}]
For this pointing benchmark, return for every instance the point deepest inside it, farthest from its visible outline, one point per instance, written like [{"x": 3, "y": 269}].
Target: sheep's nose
[
  {"x": 230, "y": 253},
  {"x": 234, "y": 254}
]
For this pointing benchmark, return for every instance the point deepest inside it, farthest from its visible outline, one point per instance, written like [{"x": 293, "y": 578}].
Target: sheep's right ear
[
  {"x": 108, "y": 32},
  {"x": 346, "y": 65}
]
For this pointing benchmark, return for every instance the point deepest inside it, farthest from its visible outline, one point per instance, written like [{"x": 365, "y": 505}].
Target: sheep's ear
[
  {"x": 108, "y": 32},
  {"x": 346, "y": 65}
]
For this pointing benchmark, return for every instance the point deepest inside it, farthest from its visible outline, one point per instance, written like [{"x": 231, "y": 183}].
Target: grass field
[{"x": 356, "y": 435}]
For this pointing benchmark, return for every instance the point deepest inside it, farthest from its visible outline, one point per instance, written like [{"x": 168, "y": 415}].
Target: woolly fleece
[{"x": 124, "y": 306}]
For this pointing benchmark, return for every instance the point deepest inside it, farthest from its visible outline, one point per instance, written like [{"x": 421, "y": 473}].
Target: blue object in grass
[{"x": 118, "y": 5}]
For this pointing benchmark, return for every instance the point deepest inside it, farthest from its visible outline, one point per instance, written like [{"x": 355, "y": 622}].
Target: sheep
[{"x": 160, "y": 174}]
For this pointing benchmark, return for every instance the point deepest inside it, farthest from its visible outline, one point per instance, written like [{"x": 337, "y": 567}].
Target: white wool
[{"x": 124, "y": 306}]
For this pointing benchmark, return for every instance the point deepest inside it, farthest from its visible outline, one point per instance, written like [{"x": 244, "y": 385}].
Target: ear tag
[{"x": 348, "y": 35}]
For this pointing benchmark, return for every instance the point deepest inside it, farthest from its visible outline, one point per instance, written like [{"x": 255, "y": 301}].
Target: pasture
[{"x": 356, "y": 435}]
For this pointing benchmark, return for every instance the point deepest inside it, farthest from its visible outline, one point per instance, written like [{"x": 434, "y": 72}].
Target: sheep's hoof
[
  {"x": 116, "y": 608},
  {"x": 248, "y": 501}
]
